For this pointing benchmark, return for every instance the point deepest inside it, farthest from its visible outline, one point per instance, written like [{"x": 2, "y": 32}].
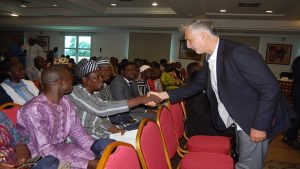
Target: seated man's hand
[
  {"x": 22, "y": 153},
  {"x": 151, "y": 100},
  {"x": 115, "y": 129},
  {"x": 161, "y": 95},
  {"x": 6, "y": 166}
]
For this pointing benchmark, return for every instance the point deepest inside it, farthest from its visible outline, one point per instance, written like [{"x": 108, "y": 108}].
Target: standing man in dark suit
[
  {"x": 241, "y": 89},
  {"x": 292, "y": 133}
]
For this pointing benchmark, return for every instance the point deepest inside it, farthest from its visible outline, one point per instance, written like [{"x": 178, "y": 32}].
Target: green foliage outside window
[{"x": 79, "y": 50}]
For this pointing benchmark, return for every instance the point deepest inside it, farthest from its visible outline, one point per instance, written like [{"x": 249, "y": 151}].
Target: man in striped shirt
[{"x": 91, "y": 109}]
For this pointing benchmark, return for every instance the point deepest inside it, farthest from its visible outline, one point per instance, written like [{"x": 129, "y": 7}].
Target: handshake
[{"x": 152, "y": 99}]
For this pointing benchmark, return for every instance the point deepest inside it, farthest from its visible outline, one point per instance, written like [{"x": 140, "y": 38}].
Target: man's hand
[
  {"x": 257, "y": 136},
  {"x": 151, "y": 100},
  {"x": 6, "y": 166},
  {"x": 115, "y": 129},
  {"x": 148, "y": 100},
  {"x": 161, "y": 95},
  {"x": 92, "y": 164},
  {"x": 22, "y": 153}
]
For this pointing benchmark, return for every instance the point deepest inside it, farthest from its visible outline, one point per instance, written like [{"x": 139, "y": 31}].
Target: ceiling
[{"x": 91, "y": 15}]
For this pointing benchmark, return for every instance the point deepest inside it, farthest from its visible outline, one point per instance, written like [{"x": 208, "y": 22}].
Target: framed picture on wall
[
  {"x": 43, "y": 41},
  {"x": 186, "y": 53},
  {"x": 278, "y": 54}
]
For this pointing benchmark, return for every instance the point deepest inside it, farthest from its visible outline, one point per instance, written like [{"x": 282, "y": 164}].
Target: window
[{"x": 78, "y": 47}]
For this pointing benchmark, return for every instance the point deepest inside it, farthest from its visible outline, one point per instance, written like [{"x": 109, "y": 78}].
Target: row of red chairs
[{"x": 157, "y": 144}]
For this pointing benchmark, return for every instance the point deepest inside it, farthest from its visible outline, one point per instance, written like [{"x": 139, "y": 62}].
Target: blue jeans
[{"x": 48, "y": 162}]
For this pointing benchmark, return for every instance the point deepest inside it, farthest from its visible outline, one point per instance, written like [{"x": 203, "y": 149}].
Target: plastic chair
[
  {"x": 195, "y": 160},
  {"x": 150, "y": 147},
  {"x": 119, "y": 155},
  {"x": 11, "y": 109},
  {"x": 198, "y": 143}
]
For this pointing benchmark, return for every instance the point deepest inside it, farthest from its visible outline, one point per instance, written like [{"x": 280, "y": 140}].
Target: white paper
[{"x": 128, "y": 137}]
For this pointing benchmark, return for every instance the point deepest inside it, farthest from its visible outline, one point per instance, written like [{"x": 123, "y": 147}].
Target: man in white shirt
[
  {"x": 241, "y": 89},
  {"x": 32, "y": 50}
]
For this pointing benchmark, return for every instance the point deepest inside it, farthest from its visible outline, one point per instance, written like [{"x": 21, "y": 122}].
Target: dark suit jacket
[
  {"x": 247, "y": 88},
  {"x": 120, "y": 90}
]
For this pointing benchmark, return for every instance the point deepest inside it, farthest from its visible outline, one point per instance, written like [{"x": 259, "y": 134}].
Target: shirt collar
[
  {"x": 37, "y": 69},
  {"x": 84, "y": 89},
  {"x": 13, "y": 84},
  {"x": 213, "y": 56},
  {"x": 126, "y": 79}
]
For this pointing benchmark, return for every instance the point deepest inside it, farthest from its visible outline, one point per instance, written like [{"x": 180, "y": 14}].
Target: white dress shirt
[{"x": 212, "y": 62}]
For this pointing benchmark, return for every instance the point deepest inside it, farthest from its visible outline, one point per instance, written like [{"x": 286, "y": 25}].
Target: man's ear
[
  {"x": 203, "y": 34},
  {"x": 59, "y": 82},
  {"x": 84, "y": 80}
]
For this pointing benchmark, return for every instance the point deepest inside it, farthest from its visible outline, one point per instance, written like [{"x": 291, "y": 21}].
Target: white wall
[{"x": 112, "y": 44}]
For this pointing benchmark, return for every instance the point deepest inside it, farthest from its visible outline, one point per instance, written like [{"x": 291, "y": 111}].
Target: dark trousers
[
  {"x": 292, "y": 132},
  {"x": 48, "y": 162}
]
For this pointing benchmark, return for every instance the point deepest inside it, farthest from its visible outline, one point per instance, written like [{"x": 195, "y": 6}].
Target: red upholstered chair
[
  {"x": 164, "y": 121},
  {"x": 191, "y": 160},
  {"x": 199, "y": 143},
  {"x": 150, "y": 148},
  {"x": 10, "y": 109},
  {"x": 119, "y": 155}
]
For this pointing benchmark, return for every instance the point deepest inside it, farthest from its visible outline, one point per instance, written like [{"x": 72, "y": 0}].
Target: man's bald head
[{"x": 52, "y": 74}]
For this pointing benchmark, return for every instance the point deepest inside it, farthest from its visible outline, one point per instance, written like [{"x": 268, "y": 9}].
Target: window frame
[{"x": 77, "y": 46}]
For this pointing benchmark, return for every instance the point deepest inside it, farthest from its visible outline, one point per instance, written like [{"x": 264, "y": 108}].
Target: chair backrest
[
  {"x": 178, "y": 118},
  {"x": 11, "y": 109},
  {"x": 150, "y": 146},
  {"x": 119, "y": 155},
  {"x": 8, "y": 105},
  {"x": 165, "y": 123}
]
